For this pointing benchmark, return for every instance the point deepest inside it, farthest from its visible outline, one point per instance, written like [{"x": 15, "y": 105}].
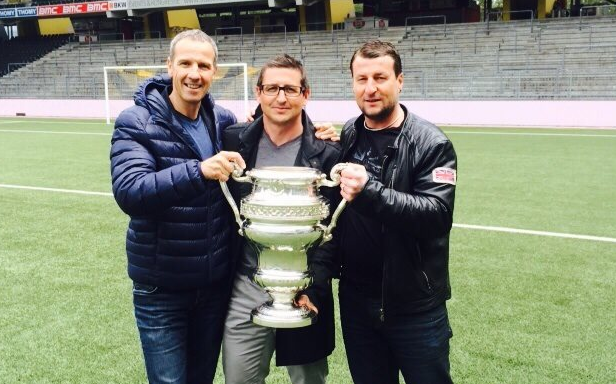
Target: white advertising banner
[{"x": 142, "y": 4}]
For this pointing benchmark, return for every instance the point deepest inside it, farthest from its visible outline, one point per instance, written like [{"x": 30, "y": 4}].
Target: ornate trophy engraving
[{"x": 282, "y": 221}]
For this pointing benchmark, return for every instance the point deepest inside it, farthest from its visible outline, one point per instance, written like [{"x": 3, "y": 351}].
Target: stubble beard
[{"x": 381, "y": 115}]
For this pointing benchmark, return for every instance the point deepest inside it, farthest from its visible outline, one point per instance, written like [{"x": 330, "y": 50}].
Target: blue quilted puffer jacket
[{"x": 180, "y": 224}]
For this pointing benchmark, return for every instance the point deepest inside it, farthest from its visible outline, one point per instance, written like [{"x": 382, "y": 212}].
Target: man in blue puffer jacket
[{"x": 165, "y": 165}]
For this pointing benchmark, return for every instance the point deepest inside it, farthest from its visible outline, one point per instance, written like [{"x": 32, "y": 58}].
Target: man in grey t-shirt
[{"x": 282, "y": 136}]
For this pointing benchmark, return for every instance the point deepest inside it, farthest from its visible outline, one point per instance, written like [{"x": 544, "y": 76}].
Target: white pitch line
[
  {"x": 51, "y": 122},
  {"x": 537, "y": 233},
  {"x": 55, "y": 132},
  {"x": 75, "y": 191},
  {"x": 448, "y": 132},
  {"x": 529, "y": 134},
  {"x": 464, "y": 226}
]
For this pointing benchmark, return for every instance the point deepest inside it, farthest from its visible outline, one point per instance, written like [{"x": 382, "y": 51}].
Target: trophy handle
[
  {"x": 327, "y": 233},
  {"x": 335, "y": 181},
  {"x": 237, "y": 176},
  {"x": 334, "y": 174}
]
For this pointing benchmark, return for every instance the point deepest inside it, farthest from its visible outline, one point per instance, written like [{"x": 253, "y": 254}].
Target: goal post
[{"x": 229, "y": 88}]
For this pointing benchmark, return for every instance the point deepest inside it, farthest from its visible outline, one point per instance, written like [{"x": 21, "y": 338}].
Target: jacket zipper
[
  {"x": 382, "y": 309},
  {"x": 427, "y": 280},
  {"x": 421, "y": 264},
  {"x": 390, "y": 185}
]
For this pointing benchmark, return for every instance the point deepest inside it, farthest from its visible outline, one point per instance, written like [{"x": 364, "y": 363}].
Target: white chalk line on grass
[
  {"x": 51, "y": 122},
  {"x": 74, "y": 191},
  {"x": 529, "y": 134},
  {"x": 464, "y": 226},
  {"x": 537, "y": 233},
  {"x": 55, "y": 132}
]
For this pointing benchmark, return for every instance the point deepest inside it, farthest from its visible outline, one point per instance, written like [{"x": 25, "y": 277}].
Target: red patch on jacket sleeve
[{"x": 444, "y": 175}]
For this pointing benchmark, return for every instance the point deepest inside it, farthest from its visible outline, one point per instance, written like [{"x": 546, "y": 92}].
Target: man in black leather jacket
[
  {"x": 282, "y": 136},
  {"x": 393, "y": 237}
]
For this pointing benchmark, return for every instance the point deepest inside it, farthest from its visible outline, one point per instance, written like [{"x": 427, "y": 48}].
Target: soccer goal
[{"x": 230, "y": 87}]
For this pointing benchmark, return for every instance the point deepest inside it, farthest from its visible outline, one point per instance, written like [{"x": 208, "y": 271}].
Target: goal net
[{"x": 229, "y": 88}]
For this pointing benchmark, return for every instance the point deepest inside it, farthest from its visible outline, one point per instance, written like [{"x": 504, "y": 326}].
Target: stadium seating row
[
  {"x": 551, "y": 59},
  {"x": 20, "y": 51}
]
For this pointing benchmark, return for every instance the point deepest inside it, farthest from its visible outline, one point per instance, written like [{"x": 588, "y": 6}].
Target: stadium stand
[
  {"x": 21, "y": 51},
  {"x": 10, "y": 5},
  {"x": 560, "y": 58}
]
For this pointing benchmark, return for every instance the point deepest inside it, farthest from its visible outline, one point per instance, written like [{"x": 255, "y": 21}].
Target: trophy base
[{"x": 286, "y": 317}]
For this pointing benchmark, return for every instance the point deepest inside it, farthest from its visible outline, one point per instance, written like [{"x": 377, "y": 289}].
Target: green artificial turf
[{"x": 525, "y": 308}]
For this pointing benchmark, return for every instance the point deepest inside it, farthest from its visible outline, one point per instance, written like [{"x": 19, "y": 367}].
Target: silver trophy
[{"x": 281, "y": 218}]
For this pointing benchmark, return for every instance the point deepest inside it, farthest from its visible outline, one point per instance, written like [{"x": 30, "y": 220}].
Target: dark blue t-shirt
[{"x": 199, "y": 134}]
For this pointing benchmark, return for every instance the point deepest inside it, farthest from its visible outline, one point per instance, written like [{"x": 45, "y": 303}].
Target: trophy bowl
[{"x": 282, "y": 221}]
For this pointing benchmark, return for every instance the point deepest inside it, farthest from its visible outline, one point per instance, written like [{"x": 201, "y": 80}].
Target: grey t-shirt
[{"x": 270, "y": 155}]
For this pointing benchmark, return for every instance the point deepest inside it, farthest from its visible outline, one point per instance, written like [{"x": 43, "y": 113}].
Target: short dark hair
[
  {"x": 284, "y": 61},
  {"x": 377, "y": 48}
]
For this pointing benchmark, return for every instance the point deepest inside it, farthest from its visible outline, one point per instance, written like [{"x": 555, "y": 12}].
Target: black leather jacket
[
  {"x": 304, "y": 345},
  {"x": 416, "y": 210}
]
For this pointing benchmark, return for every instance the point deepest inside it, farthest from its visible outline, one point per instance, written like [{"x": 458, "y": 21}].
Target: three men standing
[{"x": 391, "y": 248}]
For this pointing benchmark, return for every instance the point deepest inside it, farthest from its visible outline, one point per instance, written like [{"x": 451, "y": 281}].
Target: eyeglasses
[{"x": 274, "y": 90}]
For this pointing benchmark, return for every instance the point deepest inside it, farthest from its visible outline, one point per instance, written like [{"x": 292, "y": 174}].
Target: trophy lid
[{"x": 283, "y": 174}]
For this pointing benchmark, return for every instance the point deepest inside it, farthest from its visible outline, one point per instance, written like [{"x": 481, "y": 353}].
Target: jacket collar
[
  {"x": 351, "y": 128},
  {"x": 357, "y": 124},
  {"x": 409, "y": 119},
  {"x": 310, "y": 148}
]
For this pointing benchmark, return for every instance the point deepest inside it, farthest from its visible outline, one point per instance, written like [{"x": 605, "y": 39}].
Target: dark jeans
[
  {"x": 181, "y": 332},
  {"x": 417, "y": 344}
]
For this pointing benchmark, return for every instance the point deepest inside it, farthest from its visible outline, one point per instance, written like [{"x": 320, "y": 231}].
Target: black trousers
[{"x": 416, "y": 345}]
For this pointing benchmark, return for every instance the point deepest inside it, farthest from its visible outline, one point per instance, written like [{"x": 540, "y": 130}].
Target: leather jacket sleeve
[{"x": 416, "y": 202}]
